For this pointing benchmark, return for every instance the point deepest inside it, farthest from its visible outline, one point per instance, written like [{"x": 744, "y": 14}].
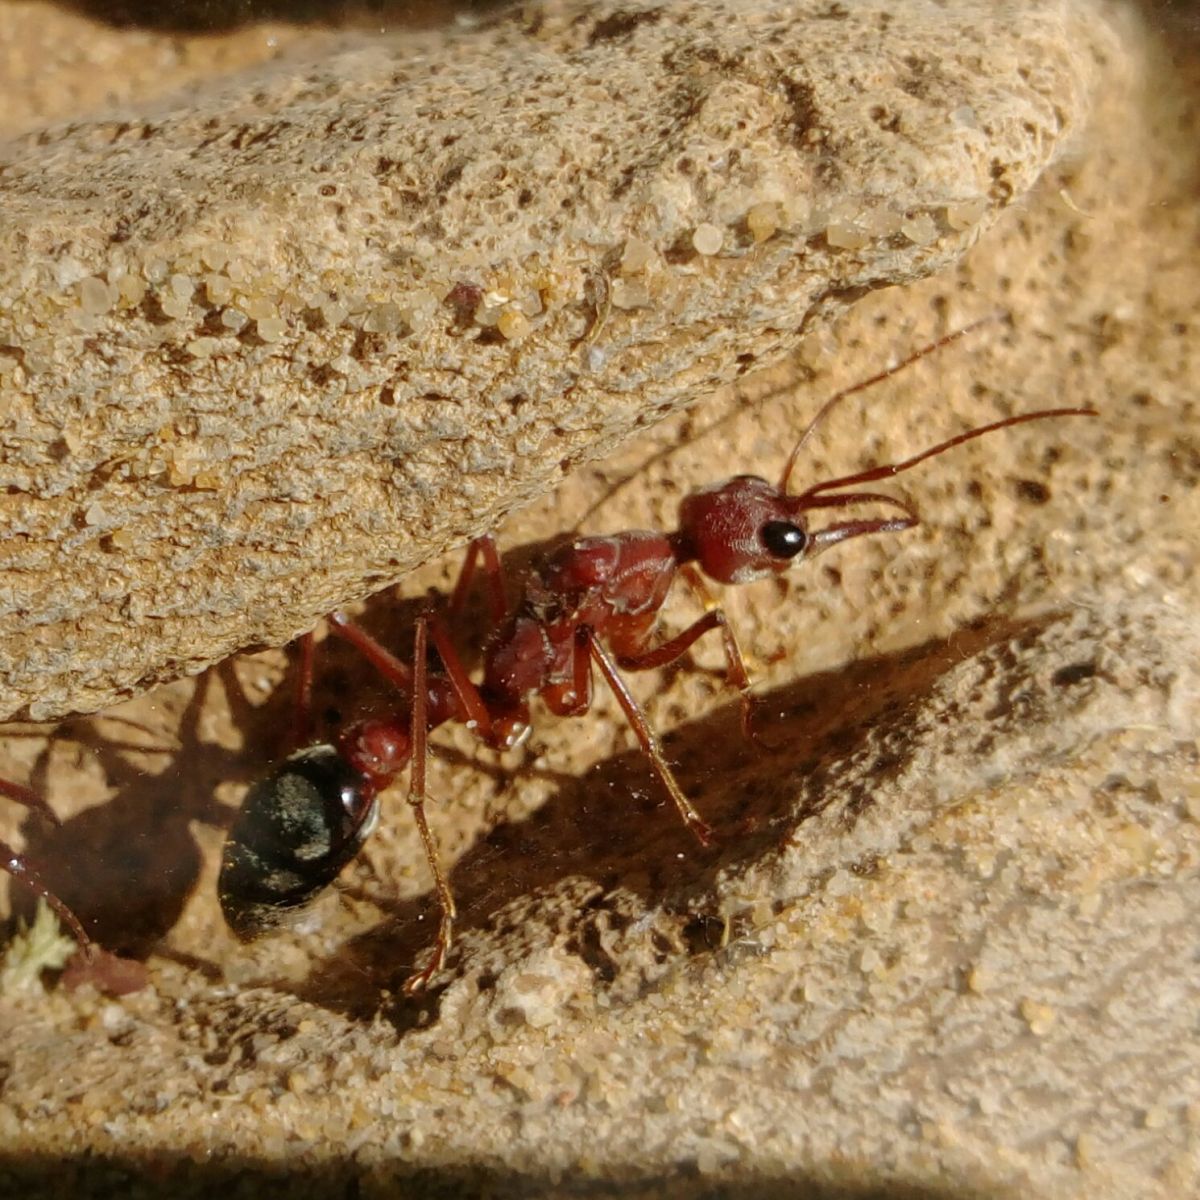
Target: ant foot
[
  {"x": 705, "y": 834},
  {"x": 414, "y": 985}
]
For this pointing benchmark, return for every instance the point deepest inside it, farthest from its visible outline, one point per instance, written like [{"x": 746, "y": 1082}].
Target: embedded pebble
[{"x": 708, "y": 239}]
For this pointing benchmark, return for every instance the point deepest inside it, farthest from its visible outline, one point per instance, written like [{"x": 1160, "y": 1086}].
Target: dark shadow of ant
[
  {"x": 126, "y": 867},
  {"x": 616, "y": 830}
]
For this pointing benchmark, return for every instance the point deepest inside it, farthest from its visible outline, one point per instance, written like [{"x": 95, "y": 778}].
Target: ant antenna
[
  {"x": 724, "y": 418},
  {"x": 862, "y": 384},
  {"x": 889, "y": 469}
]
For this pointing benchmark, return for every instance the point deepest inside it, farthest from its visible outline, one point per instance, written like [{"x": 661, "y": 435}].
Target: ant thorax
[
  {"x": 628, "y": 573},
  {"x": 614, "y": 583}
]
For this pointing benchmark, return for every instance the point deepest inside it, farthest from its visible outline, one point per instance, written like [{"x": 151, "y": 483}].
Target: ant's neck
[{"x": 682, "y": 549}]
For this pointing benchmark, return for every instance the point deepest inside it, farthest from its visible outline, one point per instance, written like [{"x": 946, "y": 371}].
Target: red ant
[{"x": 593, "y": 603}]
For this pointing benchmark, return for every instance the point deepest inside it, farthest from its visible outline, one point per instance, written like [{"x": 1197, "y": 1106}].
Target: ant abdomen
[{"x": 295, "y": 831}]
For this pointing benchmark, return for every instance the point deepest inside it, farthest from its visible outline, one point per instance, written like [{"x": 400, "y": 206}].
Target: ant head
[
  {"x": 742, "y": 529},
  {"x": 746, "y": 528}
]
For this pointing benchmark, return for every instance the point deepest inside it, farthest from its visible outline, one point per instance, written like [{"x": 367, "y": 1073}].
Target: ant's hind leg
[
  {"x": 395, "y": 672},
  {"x": 586, "y": 642},
  {"x": 302, "y": 701},
  {"x": 416, "y": 800},
  {"x": 481, "y": 548}
]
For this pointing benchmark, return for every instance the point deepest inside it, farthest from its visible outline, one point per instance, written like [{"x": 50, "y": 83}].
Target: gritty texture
[
  {"x": 946, "y": 944},
  {"x": 269, "y": 343}
]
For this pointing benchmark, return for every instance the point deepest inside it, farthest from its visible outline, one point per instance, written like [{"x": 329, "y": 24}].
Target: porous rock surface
[
  {"x": 268, "y": 343},
  {"x": 946, "y": 943}
]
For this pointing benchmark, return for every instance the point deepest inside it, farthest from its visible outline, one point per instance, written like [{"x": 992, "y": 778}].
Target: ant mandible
[{"x": 592, "y": 604}]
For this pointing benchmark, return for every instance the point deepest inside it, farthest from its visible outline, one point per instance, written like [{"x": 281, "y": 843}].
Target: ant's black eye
[{"x": 783, "y": 539}]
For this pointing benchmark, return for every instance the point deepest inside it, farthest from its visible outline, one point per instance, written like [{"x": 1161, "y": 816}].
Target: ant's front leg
[
  {"x": 588, "y": 644},
  {"x": 668, "y": 652}
]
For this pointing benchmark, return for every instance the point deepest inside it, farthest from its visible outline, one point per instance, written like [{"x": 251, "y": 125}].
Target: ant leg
[
  {"x": 399, "y": 675},
  {"x": 485, "y": 548},
  {"x": 408, "y": 680},
  {"x": 302, "y": 728},
  {"x": 29, "y": 798},
  {"x": 416, "y": 800},
  {"x": 475, "y": 714},
  {"x": 586, "y": 642},
  {"x": 736, "y": 674},
  {"x": 16, "y": 866}
]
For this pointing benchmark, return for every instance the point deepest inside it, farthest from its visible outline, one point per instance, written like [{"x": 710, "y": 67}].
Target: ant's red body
[{"x": 592, "y": 603}]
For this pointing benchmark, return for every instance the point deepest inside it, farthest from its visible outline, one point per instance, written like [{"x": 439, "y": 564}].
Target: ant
[{"x": 592, "y": 604}]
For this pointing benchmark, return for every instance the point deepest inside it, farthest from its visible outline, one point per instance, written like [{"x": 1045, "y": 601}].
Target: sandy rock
[
  {"x": 946, "y": 943},
  {"x": 268, "y": 344}
]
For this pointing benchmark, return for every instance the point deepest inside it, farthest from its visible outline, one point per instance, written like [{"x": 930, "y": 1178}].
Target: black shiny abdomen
[{"x": 295, "y": 832}]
